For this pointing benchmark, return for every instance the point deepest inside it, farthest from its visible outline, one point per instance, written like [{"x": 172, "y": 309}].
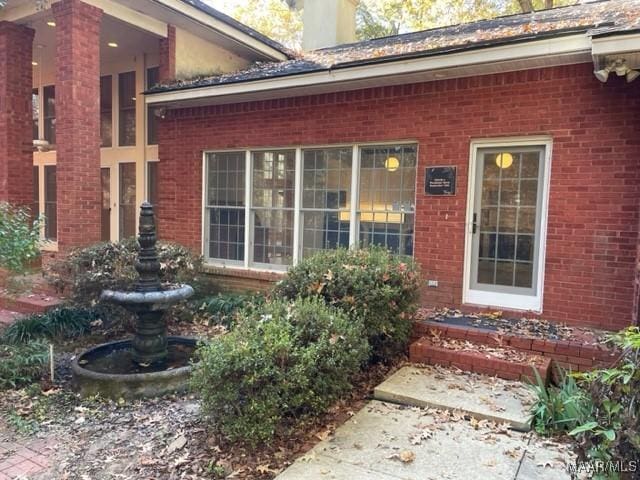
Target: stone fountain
[{"x": 151, "y": 363}]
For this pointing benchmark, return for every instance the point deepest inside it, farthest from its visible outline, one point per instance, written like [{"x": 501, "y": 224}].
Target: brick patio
[{"x": 21, "y": 459}]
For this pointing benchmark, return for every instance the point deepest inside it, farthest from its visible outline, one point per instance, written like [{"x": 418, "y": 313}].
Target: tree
[{"x": 278, "y": 19}]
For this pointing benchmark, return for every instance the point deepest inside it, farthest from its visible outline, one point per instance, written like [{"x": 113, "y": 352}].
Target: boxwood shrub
[
  {"x": 371, "y": 285},
  {"x": 283, "y": 361}
]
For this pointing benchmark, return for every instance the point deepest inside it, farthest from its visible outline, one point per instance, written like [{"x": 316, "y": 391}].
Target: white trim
[
  {"x": 355, "y": 192},
  {"x": 615, "y": 44},
  {"x": 203, "y": 220},
  {"x": 297, "y": 203},
  {"x": 560, "y": 46},
  {"x": 248, "y": 223},
  {"x": 504, "y": 300}
]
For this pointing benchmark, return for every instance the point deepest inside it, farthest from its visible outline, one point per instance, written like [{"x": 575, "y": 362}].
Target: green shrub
[
  {"x": 613, "y": 433},
  {"x": 370, "y": 284},
  {"x": 283, "y": 361},
  {"x": 559, "y": 409},
  {"x": 85, "y": 272},
  {"x": 22, "y": 364},
  {"x": 222, "y": 309},
  {"x": 19, "y": 237},
  {"x": 62, "y": 322}
]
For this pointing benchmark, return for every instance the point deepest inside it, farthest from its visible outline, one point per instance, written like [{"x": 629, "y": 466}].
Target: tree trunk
[{"x": 526, "y": 6}]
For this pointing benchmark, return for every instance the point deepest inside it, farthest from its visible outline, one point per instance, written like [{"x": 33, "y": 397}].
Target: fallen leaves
[{"x": 405, "y": 456}]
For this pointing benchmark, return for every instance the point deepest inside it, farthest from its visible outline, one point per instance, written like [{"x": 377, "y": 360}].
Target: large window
[
  {"x": 153, "y": 78},
  {"x": 127, "y": 110},
  {"x": 106, "y": 109},
  {"x": 49, "y": 117},
  {"x": 307, "y": 199},
  {"x": 35, "y": 111},
  {"x": 50, "y": 203}
]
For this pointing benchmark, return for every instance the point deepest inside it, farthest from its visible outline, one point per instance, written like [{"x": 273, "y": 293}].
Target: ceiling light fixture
[
  {"x": 620, "y": 67},
  {"x": 504, "y": 160},
  {"x": 35, "y": 64},
  {"x": 51, "y": 23},
  {"x": 392, "y": 164},
  {"x": 112, "y": 44}
]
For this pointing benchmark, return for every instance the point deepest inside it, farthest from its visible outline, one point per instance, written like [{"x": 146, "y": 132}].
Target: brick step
[
  {"x": 27, "y": 304},
  {"x": 580, "y": 354},
  {"x": 502, "y": 362}
]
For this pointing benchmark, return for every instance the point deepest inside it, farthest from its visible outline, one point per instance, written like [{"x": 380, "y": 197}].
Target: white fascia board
[
  {"x": 222, "y": 27},
  {"x": 555, "y": 47},
  {"x": 613, "y": 44}
]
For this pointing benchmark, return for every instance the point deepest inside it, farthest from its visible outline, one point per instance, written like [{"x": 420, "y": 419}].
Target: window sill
[
  {"x": 271, "y": 276},
  {"x": 47, "y": 246}
]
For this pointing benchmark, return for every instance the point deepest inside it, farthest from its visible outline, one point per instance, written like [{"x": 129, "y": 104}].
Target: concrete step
[
  {"x": 503, "y": 362},
  {"x": 480, "y": 397}
]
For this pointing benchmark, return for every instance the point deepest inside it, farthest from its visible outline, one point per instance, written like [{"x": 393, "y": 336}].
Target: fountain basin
[
  {"x": 153, "y": 301},
  {"x": 108, "y": 370}
]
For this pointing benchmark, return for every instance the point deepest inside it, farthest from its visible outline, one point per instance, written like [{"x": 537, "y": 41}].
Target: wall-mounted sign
[{"x": 440, "y": 181}]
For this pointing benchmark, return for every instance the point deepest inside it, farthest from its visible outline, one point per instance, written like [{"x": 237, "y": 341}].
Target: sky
[{"x": 226, "y": 6}]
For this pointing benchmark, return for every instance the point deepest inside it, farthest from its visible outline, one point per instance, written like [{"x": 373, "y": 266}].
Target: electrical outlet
[{"x": 432, "y": 283}]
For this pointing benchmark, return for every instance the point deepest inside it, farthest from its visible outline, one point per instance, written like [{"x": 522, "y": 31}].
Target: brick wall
[
  {"x": 16, "y": 147},
  {"x": 167, "y": 68},
  {"x": 78, "y": 122},
  {"x": 595, "y": 177}
]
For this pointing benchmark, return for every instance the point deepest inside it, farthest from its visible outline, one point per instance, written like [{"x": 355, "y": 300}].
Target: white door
[{"x": 507, "y": 223}]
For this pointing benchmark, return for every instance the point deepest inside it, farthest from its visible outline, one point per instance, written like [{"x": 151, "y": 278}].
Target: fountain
[{"x": 151, "y": 363}]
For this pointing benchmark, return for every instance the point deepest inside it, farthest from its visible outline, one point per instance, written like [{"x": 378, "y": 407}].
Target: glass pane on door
[
  {"x": 506, "y": 231},
  {"x": 127, "y": 200},
  {"x": 105, "y": 218}
]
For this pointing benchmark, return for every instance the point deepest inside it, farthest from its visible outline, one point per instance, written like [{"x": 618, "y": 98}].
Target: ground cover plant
[
  {"x": 286, "y": 361},
  {"x": 22, "y": 363},
  {"x": 371, "y": 285},
  {"x": 19, "y": 238}
]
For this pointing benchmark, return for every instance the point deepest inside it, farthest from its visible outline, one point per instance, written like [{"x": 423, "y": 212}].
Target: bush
[
  {"x": 22, "y": 364},
  {"x": 283, "y": 361},
  {"x": 559, "y": 409},
  {"x": 372, "y": 285},
  {"x": 62, "y": 322},
  {"x": 222, "y": 309},
  {"x": 613, "y": 433},
  {"x": 86, "y": 272},
  {"x": 19, "y": 238}
]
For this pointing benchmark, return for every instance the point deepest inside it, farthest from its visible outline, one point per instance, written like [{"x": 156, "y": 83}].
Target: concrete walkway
[{"x": 439, "y": 424}]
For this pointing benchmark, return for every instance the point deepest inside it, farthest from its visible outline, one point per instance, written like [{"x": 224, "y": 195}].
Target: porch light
[
  {"x": 392, "y": 164},
  {"x": 620, "y": 67},
  {"x": 504, "y": 160},
  {"x": 51, "y": 23},
  {"x": 112, "y": 44},
  {"x": 35, "y": 64}
]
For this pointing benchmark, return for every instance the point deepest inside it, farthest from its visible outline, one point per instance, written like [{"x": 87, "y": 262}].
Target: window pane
[
  {"x": 274, "y": 179},
  {"x": 273, "y": 237},
  {"x": 127, "y": 200},
  {"x": 35, "y": 111},
  {"x": 226, "y": 201},
  {"x": 153, "y": 78},
  {"x": 152, "y": 185},
  {"x": 324, "y": 230},
  {"x": 387, "y": 197},
  {"x": 49, "y": 98},
  {"x": 106, "y": 124},
  {"x": 50, "y": 203},
  {"x": 36, "y": 192},
  {"x": 105, "y": 217},
  {"x": 127, "y": 114}
]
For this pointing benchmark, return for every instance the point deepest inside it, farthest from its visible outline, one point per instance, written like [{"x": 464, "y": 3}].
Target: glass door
[
  {"x": 105, "y": 218},
  {"x": 506, "y": 227},
  {"x": 127, "y": 200}
]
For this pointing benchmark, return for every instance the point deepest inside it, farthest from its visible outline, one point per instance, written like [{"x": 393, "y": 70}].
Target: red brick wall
[
  {"x": 78, "y": 122},
  {"x": 16, "y": 147},
  {"x": 167, "y": 68},
  {"x": 595, "y": 188}
]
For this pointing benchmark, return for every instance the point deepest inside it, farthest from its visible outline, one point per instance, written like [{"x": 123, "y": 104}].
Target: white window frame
[
  {"x": 495, "y": 299},
  {"x": 248, "y": 263}
]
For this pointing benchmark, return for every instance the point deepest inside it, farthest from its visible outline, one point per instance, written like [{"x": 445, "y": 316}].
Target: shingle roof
[
  {"x": 218, "y": 15},
  {"x": 601, "y": 17}
]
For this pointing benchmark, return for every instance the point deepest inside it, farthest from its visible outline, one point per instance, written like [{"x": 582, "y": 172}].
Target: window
[
  {"x": 303, "y": 200},
  {"x": 35, "y": 209},
  {"x": 152, "y": 185},
  {"x": 387, "y": 197},
  {"x": 50, "y": 203},
  {"x": 326, "y": 198},
  {"x": 127, "y": 197},
  {"x": 35, "y": 110},
  {"x": 49, "y": 102},
  {"x": 153, "y": 78},
  {"x": 225, "y": 207},
  {"x": 106, "y": 108},
  {"x": 127, "y": 112},
  {"x": 272, "y": 205}
]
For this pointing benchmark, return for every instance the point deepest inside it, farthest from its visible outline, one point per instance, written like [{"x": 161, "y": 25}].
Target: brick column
[
  {"x": 78, "y": 122},
  {"x": 167, "y": 67},
  {"x": 16, "y": 142}
]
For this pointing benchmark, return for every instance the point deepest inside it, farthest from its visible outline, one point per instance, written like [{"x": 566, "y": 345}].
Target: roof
[
  {"x": 600, "y": 17},
  {"x": 218, "y": 15}
]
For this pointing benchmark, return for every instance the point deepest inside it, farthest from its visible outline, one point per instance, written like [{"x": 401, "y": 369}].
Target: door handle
[{"x": 474, "y": 224}]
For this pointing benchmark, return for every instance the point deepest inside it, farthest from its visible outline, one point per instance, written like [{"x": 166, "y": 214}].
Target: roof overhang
[{"x": 560, "y": 50}]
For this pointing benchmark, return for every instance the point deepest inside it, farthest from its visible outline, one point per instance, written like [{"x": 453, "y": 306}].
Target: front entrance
[{"x": 507, "y": 223}]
